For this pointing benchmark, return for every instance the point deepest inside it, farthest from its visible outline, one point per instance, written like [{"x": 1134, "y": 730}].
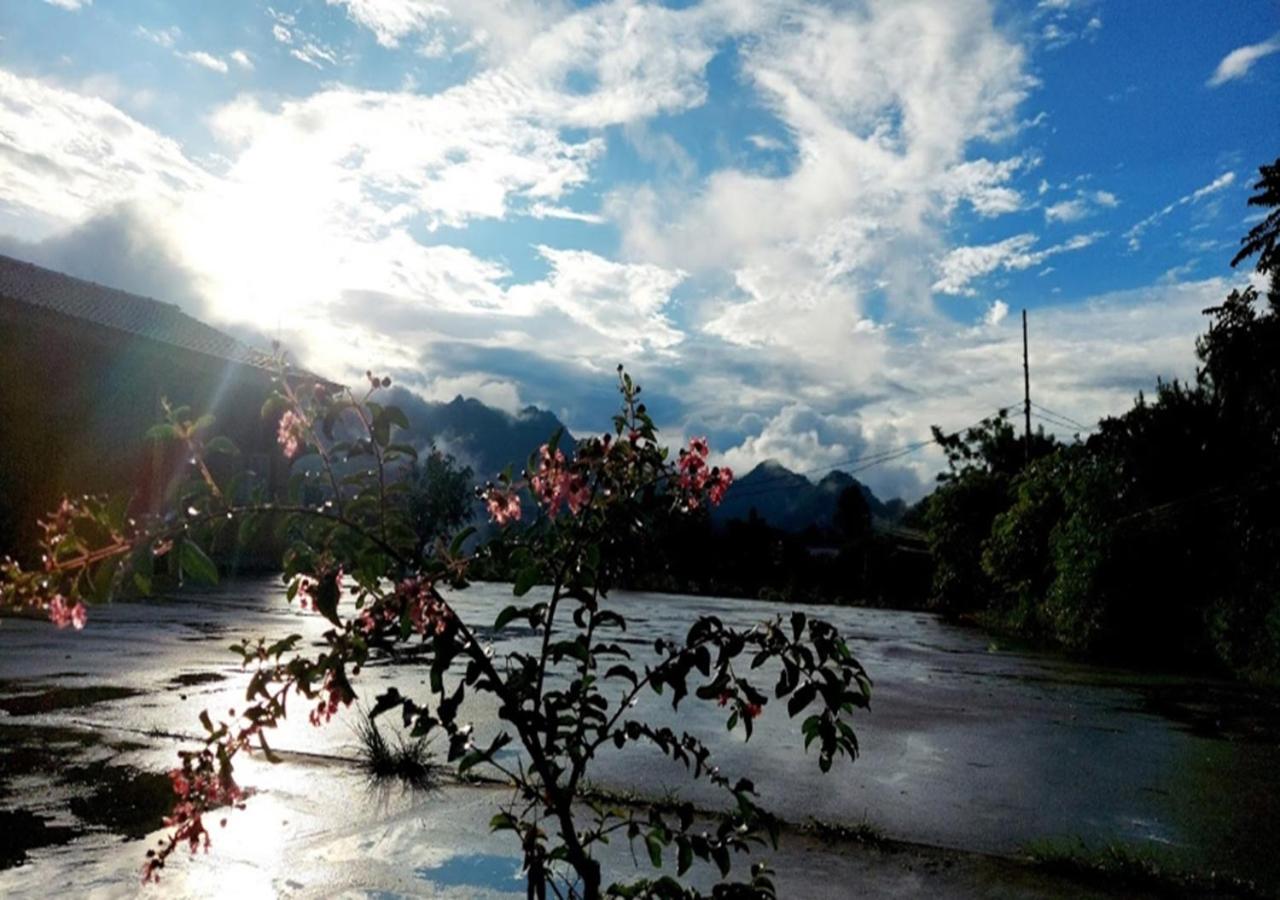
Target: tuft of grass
[
  {"x": 863, "y": 832},
  {"x": 1117, "y": 865},
  {"x": 405, "y": 759}
]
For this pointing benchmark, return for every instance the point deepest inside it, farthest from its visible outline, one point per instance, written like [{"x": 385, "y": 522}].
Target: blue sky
[{"x": 807, "y": 227}]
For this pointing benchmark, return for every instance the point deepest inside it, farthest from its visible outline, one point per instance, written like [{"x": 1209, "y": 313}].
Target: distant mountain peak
[
  {"x": 481, "y": 436},
  {"x": 793, "y": 502}
]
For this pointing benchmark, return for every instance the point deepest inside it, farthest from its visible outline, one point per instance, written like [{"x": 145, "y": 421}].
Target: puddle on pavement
[
  {"x": 121, "y": 799},
  {"x": 33, "y": 701},
  {"x": 192, "y": 679},
  {"x": 22, "y": 830},
  {"x": 82, "y": 789},
  {"x": 1218, "y": 711},
  {"x": 475, "y": 870}
]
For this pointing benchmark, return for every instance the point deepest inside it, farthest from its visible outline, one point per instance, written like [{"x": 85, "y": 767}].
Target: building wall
[{"x": 76, "y": 401}]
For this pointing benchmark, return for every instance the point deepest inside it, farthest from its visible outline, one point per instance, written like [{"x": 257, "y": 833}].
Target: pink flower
[
  {"x": 327, "y": 707},
  {"x": 695, "y": 476},
  {"x": 62, "y": 613},
  {"x": 578, "y": 494},
  {"x": 721, "y": 479},
  {"x": 305, "y": 588},
  {"x": 754, "y": 710},
  {"x": 288, "y": 434},
  {"x": 556, "y": 483},
  {"x": 503, "y": 506},
  {"x": 547, "y": 481},
  {"x": 426, "y": 610}
]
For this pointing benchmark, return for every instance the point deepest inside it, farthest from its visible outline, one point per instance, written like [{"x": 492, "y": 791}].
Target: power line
[
  {"x": 1063, "y": 424},
  {"x": 866, "y": 461},
  {"x": 1065, "y": 418}
]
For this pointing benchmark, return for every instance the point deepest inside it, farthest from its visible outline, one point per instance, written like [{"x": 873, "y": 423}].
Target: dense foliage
[
  {"x": 356, "y": 556},
  {"x": 845, "y": 563},
  {"x": 1157, "y": 537}
]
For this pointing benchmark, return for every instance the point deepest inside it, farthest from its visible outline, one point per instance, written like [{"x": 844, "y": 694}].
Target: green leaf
[
  {"x": 395, "y": 415},
  {"x": 461, "y": 538},
  {"x": 574, "y": 649},
  {"x": 527, "y": 578},
  {"x": 324, "y": 594},
  {"x": 685, "y": 858},
  {"x": 404, "y": 450},
  {"x": 222, "y": 444},
  {"x": 389, "y": 700},
  {"x": 655, "y": 849},
  {"x": 511, "y": 612},
  {"x": 801, "y": 698},
  {"x": 162, "y": 433},
  {"x": 274, "y": 406},
  {"x": 197, "y": 564},
  {"x": 503, "y": 821},
  {"x": 622, "y": 671}
]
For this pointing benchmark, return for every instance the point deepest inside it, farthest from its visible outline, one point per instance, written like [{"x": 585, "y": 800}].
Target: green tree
[
  {"x": 440, "y": 495},
  {"x": 982, "y": 463},
  {"x": 1262, "y": 238}
]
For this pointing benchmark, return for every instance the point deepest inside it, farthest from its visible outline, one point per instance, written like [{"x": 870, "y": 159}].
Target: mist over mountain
[
  {"x": 476, "y": 434},
  {"x": 790, "y": 501}
]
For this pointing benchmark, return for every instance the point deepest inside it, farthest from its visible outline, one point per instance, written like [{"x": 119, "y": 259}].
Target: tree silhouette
[{"x": 1261, "y": 239}]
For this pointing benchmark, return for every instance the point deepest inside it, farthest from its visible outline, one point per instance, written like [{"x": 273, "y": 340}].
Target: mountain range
[
  {"x": 480, "y": 436},
  {"x": 489, "y": 439},
  {"x": 790, "y": 501}
]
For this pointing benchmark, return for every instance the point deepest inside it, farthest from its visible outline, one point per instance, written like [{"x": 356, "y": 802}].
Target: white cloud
[
  {"x": 805, "y": 293},
  {"x": 303, "y": 46},
  {"x": 207, "y": 60},
  {"x": 802, "y": 439},
  {"x": 1083, "y": 204},
  {"x": 996, "y": 313},
  {"x": 624, "y": 305},
  {"x": 497, "y": 28},
  {"x": 957, "y": 375},
  {"x": 963, "y": 265},
  {"x": 984, "y": 184},
  {"x": 1067, "y": 211},
  {"x": 880, "y": 161},
  {"x": 66, "y": 155},
  {"x": 1238, "y": 62},
  {"x": 1222, "y": 182},
  {"x": 241, "y": 59},
  {"x": 72, "y": 5},
  {"x": 1225, "y": 180},
  {"x": 164, "y": 37},
  {"x": 765, "y": 142},
  {"x": 547, "y": 211},
  {"x": 314, "y": 54},
  {"x": 495, "y": 392}
]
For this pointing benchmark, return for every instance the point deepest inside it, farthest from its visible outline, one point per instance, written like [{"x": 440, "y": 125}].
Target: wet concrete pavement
[{"x": 966, "y": 747}]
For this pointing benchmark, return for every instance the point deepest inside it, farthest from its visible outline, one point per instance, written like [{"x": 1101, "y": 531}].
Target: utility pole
[{"x": 1026, "y": 391}]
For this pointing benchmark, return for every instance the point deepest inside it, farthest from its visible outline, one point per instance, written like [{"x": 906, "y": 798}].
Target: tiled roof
[{"x": 90, "y": 302}]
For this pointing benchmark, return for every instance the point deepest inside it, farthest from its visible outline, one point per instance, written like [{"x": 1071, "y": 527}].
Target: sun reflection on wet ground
[{"x": 965, "y": 747}]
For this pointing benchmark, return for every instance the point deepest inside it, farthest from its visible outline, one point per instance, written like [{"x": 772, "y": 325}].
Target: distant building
[{"x": 83, "y": 369}]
